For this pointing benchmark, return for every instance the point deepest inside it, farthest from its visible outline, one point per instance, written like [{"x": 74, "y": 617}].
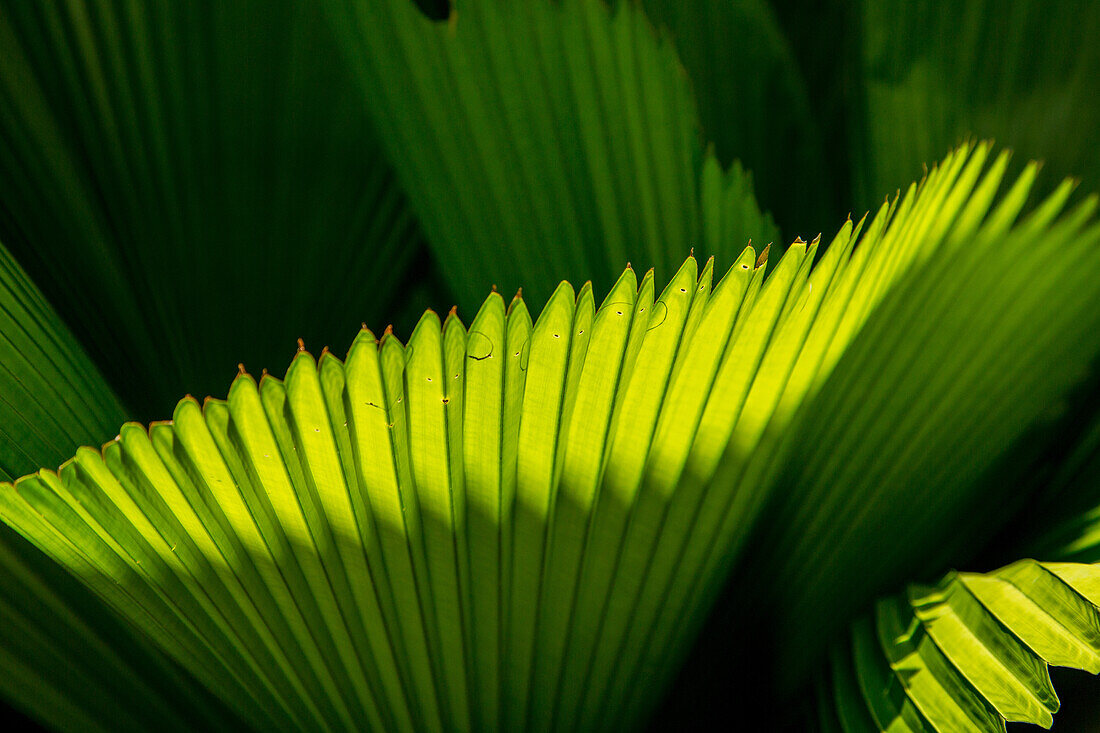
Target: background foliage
[{"x": 187, "y": 186}]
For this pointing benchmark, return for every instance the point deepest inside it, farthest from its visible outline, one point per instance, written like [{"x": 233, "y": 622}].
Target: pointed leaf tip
[{"x": 763, "y": 258}]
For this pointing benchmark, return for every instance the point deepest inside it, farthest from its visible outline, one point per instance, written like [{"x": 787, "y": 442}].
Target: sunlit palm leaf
[
  {"x": 515, "y": 525},
  {"x": 967, "y": 654}
]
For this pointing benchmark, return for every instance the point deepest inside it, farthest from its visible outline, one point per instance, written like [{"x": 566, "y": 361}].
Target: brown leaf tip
[
  {"x": 240, "y": 368},
  {"x": 301, "y": 345},
  {"x": 763, "y": 258}
]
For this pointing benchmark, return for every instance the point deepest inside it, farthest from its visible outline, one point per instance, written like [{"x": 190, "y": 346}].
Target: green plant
[{"x": 525, "y": 522}]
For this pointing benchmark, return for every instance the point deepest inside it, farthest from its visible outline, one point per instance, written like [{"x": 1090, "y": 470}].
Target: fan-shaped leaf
[{"x": 427, "y": 536}]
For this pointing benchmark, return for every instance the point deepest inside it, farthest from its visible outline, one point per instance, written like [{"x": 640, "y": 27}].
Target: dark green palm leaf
[
  {"x": 192, "y": 185},
  {"x": 541, "y": 137}
]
